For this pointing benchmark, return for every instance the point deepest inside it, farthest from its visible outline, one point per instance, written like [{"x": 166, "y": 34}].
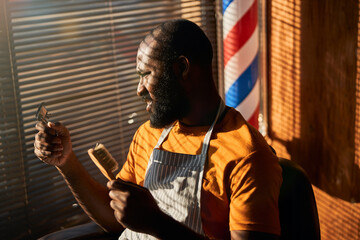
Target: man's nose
[{"x": 141, "y": 89}]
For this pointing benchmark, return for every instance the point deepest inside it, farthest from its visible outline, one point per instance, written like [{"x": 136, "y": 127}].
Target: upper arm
[
  {"x": 255, "y": 185},
  {"x": 251, "y": 235}
]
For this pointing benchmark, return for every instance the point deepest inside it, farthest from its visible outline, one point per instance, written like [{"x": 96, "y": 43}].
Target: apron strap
[
  {"x": 164, "y": 134},
  {"x": 206, "y": 142}
]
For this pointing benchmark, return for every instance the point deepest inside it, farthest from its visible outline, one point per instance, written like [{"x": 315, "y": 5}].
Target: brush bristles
[{"x": 105, "y": 158}]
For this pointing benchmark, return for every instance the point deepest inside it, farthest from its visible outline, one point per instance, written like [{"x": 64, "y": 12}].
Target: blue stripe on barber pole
[
  {"x": 243, "y": 85},
  {"x": 225, "y": 5}
]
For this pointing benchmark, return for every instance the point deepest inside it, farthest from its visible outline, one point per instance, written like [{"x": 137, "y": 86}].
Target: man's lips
[
  {"x": 147, "y": 99},
  {"x": 148, "y": 106}
]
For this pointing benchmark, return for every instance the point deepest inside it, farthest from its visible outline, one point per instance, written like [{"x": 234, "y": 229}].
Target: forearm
[
  {"x": 168, "y": 228},
  {"x": 92, "y": 196}
]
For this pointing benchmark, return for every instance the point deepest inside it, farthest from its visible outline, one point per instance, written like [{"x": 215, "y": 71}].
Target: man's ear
[{"x": 182, "y": 66}]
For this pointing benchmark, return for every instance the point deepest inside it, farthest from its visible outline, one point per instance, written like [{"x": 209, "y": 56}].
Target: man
[{"x": 196, "y": 170}]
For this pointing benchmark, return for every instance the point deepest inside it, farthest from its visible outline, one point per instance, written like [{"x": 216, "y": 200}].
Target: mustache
[{"x": 146, "y": 97}]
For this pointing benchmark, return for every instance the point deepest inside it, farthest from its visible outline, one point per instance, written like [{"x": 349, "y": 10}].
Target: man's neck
[{"x": 202, "y": 112}]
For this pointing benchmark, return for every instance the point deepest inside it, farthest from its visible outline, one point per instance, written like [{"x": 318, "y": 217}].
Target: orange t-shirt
[{"x": 242, "y": 177}]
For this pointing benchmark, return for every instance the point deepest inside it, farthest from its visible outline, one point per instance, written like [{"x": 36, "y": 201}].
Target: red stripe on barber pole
[{"x": 253, "y": 120}]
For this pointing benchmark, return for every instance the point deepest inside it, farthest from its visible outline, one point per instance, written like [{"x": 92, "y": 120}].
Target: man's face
[{"x": 159, "y": 87}]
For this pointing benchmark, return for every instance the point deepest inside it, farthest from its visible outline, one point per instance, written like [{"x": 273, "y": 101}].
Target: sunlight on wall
[
  {"x": 338, "y": 218},
  {"x": 285, "y": 72},
  {"x": 357, "y": 113}
]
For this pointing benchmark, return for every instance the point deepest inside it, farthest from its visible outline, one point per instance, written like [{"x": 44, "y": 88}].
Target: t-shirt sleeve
[
  {"x": 127, "y": 172},
  {"x": 255, "y": 184}
]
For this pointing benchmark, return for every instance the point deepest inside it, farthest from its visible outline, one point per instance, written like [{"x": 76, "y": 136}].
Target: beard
[{"x": 171, "y": 103}]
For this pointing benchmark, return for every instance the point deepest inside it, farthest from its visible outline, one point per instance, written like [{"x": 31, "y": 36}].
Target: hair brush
[{"x": 103, "y": 160}]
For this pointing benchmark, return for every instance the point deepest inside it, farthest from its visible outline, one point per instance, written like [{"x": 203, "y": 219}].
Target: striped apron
[{"x": 175, "y": 181}]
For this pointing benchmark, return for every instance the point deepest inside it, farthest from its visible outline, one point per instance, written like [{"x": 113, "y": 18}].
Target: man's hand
[
  {"x": 134, "y": 206},
  {"x": 52, "y": 143}
]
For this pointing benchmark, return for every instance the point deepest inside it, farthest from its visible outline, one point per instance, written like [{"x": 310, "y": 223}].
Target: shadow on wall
[{"x": 315, "y": 90}]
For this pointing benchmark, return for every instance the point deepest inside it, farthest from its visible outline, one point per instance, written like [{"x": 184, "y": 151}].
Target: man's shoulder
[
  {"x": 235, "y": 125},
  {"x": 240, "y": 136},
  {"x": 232, "y": 120}
]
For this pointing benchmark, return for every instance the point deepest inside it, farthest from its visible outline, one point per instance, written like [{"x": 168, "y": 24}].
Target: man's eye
[{"x": 143, "y": 75}]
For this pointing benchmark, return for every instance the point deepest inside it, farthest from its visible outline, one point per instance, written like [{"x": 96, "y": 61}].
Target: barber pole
[{"x": 241, "y": 48}]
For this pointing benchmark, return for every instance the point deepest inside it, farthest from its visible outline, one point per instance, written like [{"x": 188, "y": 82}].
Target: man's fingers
[
  {"x": 119, "y": 191},
  {"x": 47, "y": 155},
  {"x": 120, "y": 217},
  {"x": 117, "y": 185},
  {"x": 42, "y": 127},
  {"x": 43, "y": 153},
  {"x": 122, "y": 185},
  {"x": 119, "y": 195},
  {"x": 44, "y": 146},
  {"x": 47, "y": 138},
  {"x": 117, "y": 205},
  {"x": 51, "y": 128}
]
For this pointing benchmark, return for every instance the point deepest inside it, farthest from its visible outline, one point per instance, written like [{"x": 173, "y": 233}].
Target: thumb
[{"x": 59, "y": 128}]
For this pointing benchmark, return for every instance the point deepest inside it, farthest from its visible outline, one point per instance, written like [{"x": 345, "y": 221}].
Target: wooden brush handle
[{"x": 106, "y": 172}]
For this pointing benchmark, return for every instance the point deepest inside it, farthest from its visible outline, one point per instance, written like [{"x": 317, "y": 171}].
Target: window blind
[{"x": 79, "y": 58}]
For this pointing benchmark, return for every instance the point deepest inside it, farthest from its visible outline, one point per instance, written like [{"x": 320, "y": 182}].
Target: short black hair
[{"x": 182, "y": 37}]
